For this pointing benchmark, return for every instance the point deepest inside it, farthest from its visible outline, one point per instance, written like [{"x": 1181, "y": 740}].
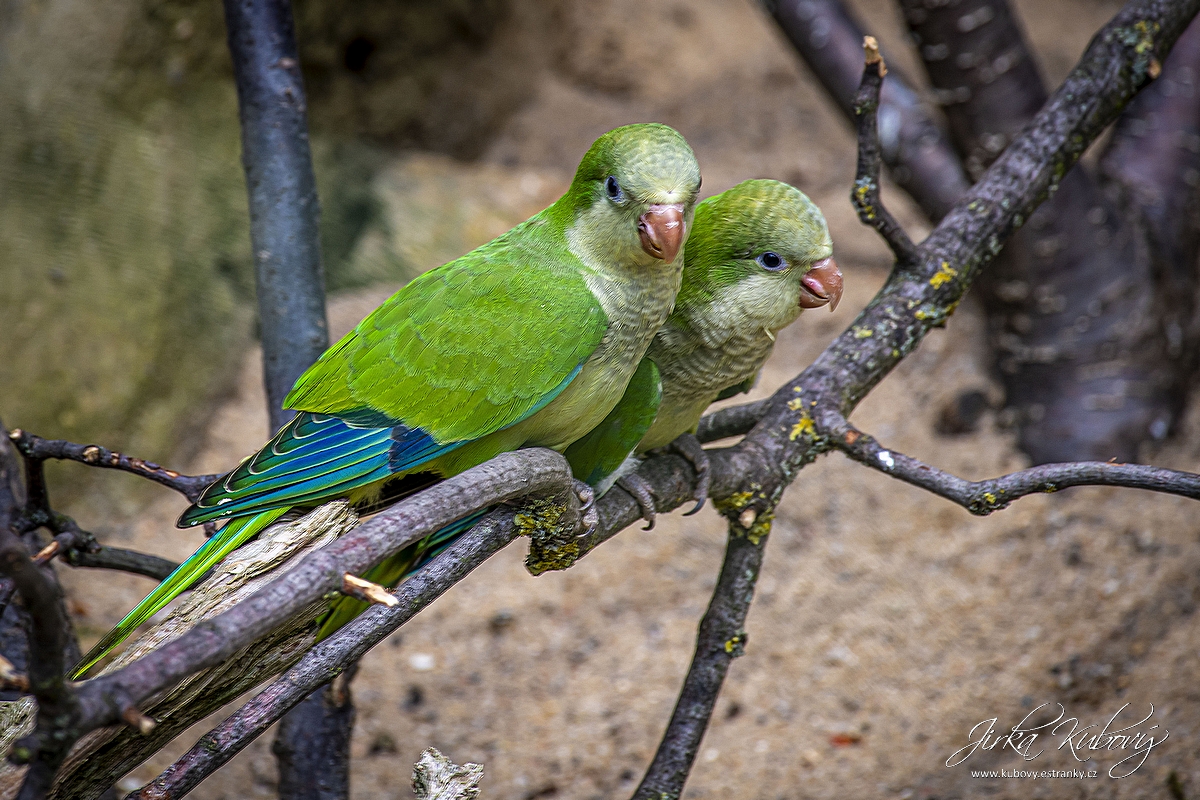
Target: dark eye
[
  {"x": 771, "y": 261},
  {"x": 612, "y": 188}
]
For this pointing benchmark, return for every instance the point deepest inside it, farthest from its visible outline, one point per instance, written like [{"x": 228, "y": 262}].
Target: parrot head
[
  {"x": 634, "y": 194},
  {"x": 759, "y": 252}
]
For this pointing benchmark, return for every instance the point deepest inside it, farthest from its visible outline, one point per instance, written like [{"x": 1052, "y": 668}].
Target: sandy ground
[{"x": 888, "y": 622}]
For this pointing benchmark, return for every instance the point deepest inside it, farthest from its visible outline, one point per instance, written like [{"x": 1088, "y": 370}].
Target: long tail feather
[
  {"x": 394, "y": 569},
  {"x": 233, "y": 535}
]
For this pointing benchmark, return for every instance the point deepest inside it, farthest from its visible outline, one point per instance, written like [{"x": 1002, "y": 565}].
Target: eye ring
[
  {"x": 613, "y": 189},
  {"x": 771, "y": 261}
]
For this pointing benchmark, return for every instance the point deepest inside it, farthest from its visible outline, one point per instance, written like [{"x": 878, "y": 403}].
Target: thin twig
[
  {"x": 915, "y": 148},
  {"x": 865, "y": 194},
  {"x": 36, "y": 449},
  {"x": 365, "y": 590},
  {"x": 984, "y": 497},
  {"x": 722, "y": 638}
]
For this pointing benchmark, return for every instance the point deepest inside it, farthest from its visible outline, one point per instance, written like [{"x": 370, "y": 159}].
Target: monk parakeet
[
  {"x": 758, "y": 254},
  {"x": 529, "y": 340}
]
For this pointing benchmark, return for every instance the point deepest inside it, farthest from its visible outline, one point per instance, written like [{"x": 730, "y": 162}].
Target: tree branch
[
  {"x": 284, "y": 212},
  {"x": 35, "y": 449},
  {"x": 722, "y": 638},
  {"x": 102, "y": 700},
  {"x": 921, "y": 158},
  {"x": 48, "y": 636},
  {"x": 984, "y": 497},
  {"x": 285, "y": 234},
  {"x": 329, "y": 658},
  {"x": 673, "y": 478},
  {"x": 123, "y": 560},
  {"x": 865, "y": 194}
]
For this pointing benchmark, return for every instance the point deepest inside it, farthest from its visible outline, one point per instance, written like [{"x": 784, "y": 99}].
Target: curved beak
[
  {"x": 661, "y": 230},
  {"x": 822, "y": 284}
]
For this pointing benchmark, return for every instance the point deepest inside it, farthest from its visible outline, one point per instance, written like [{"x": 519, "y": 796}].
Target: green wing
[
  {"x": 601, "y": 451},
  {"x": 468, "y": 348}
]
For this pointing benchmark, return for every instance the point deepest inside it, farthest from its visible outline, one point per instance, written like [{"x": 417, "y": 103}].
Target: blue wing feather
[{"x": 319, "y": 457}]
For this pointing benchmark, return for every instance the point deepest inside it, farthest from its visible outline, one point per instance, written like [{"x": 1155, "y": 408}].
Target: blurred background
[{"x": 888, "y": 622}]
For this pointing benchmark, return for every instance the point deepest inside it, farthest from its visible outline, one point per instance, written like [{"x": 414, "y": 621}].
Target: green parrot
[
  {"x": 758, "y": 254},
  {"x": 529, "y": 340}
]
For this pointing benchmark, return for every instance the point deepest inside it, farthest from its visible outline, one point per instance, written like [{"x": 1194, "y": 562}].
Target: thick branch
[
  {"x": 313, "y": 743},
  {"x": 673, "y": 480},
  {"x": 35, "y": 448},
  {"x": 1114, "y": 67},
  {"x": 284, "y": 232},
  {"x": 865, "y": 194},
  {"x": 506, "y": 477},
  {"x": 328, "y": 659},
  {"x": 284, "y": 213},
  {"x": 721, "y": 639}
]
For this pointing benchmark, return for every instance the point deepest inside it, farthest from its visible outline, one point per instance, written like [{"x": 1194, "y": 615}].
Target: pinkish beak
[
  {"x": 661, "y": 230},
  {"x": 821, "y": 285}
]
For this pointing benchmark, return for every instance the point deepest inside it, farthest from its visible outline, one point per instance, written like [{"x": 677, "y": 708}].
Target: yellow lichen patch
[
  {"x": 944, "y": 275},
  {"x": 862, "y": 189},
  {"x": 552, "y": 542},
  {"x": 796, "y": 403},
  {"x": 737, "y": 500},
  {"x": 990, "y": 498},
  {"x": 804, "y": 426},
  {"x": 760, "y": 529},
  {"x": 863, "y": 333}
]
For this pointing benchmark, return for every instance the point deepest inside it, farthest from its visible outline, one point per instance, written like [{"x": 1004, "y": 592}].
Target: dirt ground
[{"x": 887, "y": 622}]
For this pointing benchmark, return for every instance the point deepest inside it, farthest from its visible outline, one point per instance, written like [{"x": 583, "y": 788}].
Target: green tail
[{"x": 238, "y": 531}]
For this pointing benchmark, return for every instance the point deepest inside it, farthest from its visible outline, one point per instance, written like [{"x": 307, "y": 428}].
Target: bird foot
[
  {"x": 589, "y": 520},
  {"x": 689, "y": 447},
  {"x": 637, "y": 486}
]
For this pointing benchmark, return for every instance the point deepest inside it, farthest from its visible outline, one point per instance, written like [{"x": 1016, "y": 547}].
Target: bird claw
[
  {"x": 586, "y": 495},
  {"x": 588, "y": 518},
  {"x": 689, "y": 447},
  {"x": 637, "y": 486}
]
